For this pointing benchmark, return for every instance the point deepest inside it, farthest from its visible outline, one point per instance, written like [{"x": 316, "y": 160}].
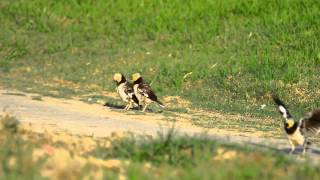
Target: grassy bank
[
  {"x": 28, "y": 155},
  {"x": 227, "y": 55}
]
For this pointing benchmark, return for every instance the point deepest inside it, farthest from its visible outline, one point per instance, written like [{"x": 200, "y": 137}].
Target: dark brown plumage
[
  {"x": 143, "y": 92},
  {"x": 146, "y": 90},
  {"x": 311, "y": 123}
]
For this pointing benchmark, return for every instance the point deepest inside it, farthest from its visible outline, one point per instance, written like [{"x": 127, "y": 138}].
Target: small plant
[
  {"x": 9, "y": 124},
  {"x": 15, "y": 153}
]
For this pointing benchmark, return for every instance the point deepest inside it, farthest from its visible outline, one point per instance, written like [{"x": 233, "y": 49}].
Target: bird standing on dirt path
[
  {"x": 125, "y": 90},
  {"x": 143, "y": 92},
  {"x": 298, "y": 131}
]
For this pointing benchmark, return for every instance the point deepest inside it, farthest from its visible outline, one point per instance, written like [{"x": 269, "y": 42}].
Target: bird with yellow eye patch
[
  {"x": 125, "y": 90},
  {"x": 299, "y": 131},
  {"x": 143, "y": 92}
]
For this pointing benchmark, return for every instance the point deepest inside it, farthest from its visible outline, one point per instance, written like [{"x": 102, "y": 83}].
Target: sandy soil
[
  {"x": 76, "y": 117},
  {"x": 94, "y": 119}
]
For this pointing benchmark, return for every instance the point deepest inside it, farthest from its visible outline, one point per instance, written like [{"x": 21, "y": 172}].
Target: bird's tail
[
  {"x": 135, "y": 99},
  {"x": 160, "y": 104},
  {"x": 282, "y": 108}
]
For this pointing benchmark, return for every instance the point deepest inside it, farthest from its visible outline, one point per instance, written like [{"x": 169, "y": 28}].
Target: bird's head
[
  {"x": 289, "y": 123},
  {"x": 136, "y": 76},
  {"x": 118, "y": 77}
]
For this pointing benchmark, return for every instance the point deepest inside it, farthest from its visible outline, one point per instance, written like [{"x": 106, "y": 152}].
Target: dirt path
[{"x": 78, "y": 117}]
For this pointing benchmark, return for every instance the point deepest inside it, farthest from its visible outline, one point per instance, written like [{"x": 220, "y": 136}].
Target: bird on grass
[
  {"x": 143, "y": 92},
  {"x": 299, "y": 131},
  {"x": 125, "y": 90}
]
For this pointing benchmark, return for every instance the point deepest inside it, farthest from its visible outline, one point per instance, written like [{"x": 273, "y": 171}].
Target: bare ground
[{"x": 76, "y": 117}]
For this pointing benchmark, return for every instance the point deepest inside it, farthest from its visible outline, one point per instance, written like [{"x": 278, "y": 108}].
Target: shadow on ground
[
  {"x": 113, "y": 106},
  {"x": 298, "y": 151},
  {"x": 121, "y": 107}
]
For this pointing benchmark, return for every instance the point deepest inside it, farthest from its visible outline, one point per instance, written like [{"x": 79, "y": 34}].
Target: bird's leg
[
  {"x": 140, "y": 105},
  {"x": 130, "y": 105},
  {"x": 304, "y": 149},
  {"x": 145, "y": 107},
  {"x": 293, "y": 147},
  {"x": 305, "y": 146},
  {"x": 126, "y": 108}
]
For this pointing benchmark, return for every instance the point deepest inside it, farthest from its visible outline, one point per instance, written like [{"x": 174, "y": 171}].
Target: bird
[
  {"x": 125, "y": 90},
  {"x": 298, "y": 132},
  {"x": 143, "y": 92}
]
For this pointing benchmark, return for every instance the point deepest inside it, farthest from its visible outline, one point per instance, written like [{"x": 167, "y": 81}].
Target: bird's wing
[
  {"x": 130, "y": 92},
  {"x": 128, "y": 89},
  {"x": 145, "y": 90},
  {"x": 311, "y": 123}
]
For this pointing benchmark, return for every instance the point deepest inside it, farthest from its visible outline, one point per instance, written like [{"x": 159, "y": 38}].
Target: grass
[
  {"x": 15, "y": 153},
  {"x": 269, "y": 126},
  {"x": 169, "y": 157},
  {"x": 222, "y": 55},
  {"x": 28, "y": 155}
]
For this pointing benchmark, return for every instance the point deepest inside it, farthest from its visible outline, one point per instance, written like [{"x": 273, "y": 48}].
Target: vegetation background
[{"x": 227, "y": 55}]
